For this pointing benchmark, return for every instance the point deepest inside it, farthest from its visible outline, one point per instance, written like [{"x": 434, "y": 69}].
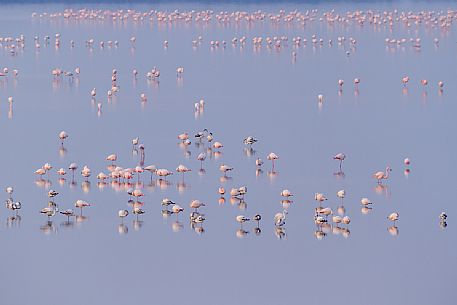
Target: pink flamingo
[
  {"x": 340, "y": 157},
  {"x": 382, "y": 175},
  {"x": 405, "y": 80},
  {"x": 272, "y": 157}
]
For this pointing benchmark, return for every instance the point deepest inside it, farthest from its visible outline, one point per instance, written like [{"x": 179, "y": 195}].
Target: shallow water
[{"x": 247, "y": 91}]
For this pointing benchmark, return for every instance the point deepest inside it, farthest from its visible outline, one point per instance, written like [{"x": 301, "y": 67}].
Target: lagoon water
[{"x": 247, "y": 91}]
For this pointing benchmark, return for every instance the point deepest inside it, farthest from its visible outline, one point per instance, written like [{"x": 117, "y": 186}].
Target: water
[{"x": 248, "y": 91}]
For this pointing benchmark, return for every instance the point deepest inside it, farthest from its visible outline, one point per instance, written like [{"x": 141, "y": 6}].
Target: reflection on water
[
  {"x": 67, "y": 224},
  {"x": 122, "y": 229},
  {"x": 13, "y": 221},
  {"x": 48, "y": 228},
  {"x": 393, "y": 230},
  {"x": 280, "y": 232}
]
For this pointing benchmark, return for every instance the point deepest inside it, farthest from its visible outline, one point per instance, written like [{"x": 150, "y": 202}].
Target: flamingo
[
  {"x": 337, "y": 219},
  {"x": 47, "y": 167},
  {"x": 166, "y": 202},
  {"x": 356, "y": 82},
  {"x": 221, "y": 190},
  {"x": 52, "y": 194},
  {"x": 13, "y": 206},
  {"x": 73, "y": 167},
  {"x": 319, "y": 197},
  {"x": 249, "y": 140},
  {"x": 183, "y": 136},
  {"x": 286, "y": 193},
  {"x": 393, "y": 217},
  {"x": 340, "y": 84},
  {"x": 62, "y": 136},
  {"x": 137, "y": 194},
  {"x": 257, "y": 217},
  {"x": 319, "y": 220},
  {"x": 151, "y": 168},
  {"x": 40, "y": 172},
  {"x": 243, "y": 190},
  {"x": 340, "y": 157},
  {"x": 280, "y": 218},
  {"x": 241, "y": 219},
  {"x": 382, "y": 175},
  {"x": 49, "y": 211},
  {"x": 86, "y": 172},
  {"x": 346, "y": 220},
  {"x": 102, "y": 176},
  {"x": 81, "y": 204},
  {"x": 196, "y": 204},
  {"x": 138, "y": 170},
  {"x": 179, "y": 71},
  {"x": 201, "y": 157},
  {"x": 176, "y": 209},
  {"x": 182, "y": 169},
  {"x": 122, "y": 214},
  {"x": 217, "y": 145},
  {"x": 199, "y": 135},
  {"x": 163, "y": 172},
  {"x": 138, "y": 211},
  {"x": 405, "y": 80},
  {"x": 9, "y": 190},
  {"x": 323, "y": 211},
  {"x": 365, "y": 201},
  {"x": 69, "y": 213},
  {"x": 225, "y": 168},
  {"x": 272, "y": 157},
  {"x": 341, "y": 194},
  {"x": 112, "y": 158}
]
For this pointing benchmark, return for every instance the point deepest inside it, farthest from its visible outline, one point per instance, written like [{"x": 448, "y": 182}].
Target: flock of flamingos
[{"x": 128, "y": 178}]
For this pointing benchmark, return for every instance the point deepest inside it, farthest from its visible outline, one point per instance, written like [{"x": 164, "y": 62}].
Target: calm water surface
[{"x": 248, "y": 91}]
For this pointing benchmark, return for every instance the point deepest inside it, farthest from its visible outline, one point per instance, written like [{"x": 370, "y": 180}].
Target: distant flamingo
[
  {"x": 63, "y": 136},
  {"x": 225, "y": 168},
  {"x": 73, "y": 167},
  {"x": 196, "y": 204},
  {"x": 319, "y": 197},
  {"x": 272, "y": 157},
  {"x": 182, "y": 169},
  {"x": 341, "y": 194},
  {"x": 340, "y": 157},
  {"x": 382, "y": 175},
  {"x": 356, "y": 83},
  {"x": 241, "y": 219},
  {"x": 286, "y": 193},
  {"x": 405, "y": 80},
  {"x": 122, "y": 214},
  {"x": 81, "y": 204},
  {"x": 201, "y": 157},
  {"x": 393, "y": 217},
  {"x": 341, "y": 83},
  {"x": 112, "y": 158}
]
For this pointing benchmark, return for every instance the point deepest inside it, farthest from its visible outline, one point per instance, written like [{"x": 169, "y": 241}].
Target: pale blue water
[{"x": 263, "y": 93}]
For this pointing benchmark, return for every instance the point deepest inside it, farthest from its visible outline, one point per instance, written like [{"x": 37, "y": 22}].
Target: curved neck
[{"x": 387, "y": 172}]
